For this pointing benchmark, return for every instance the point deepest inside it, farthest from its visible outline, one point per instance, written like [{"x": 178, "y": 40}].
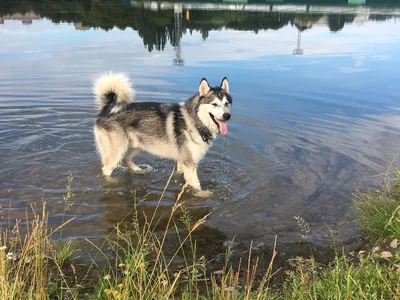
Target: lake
[{"x": 316, "y": 110}]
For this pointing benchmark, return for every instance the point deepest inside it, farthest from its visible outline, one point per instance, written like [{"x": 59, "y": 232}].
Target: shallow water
[{"x": 315, "y": 109}]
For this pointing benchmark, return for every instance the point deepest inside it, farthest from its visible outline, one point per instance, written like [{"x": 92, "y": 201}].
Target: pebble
[
  {"x": 394, "y": 244},
  {"x": 397, "y": 267},
  {"x": 386, "y": 254}
]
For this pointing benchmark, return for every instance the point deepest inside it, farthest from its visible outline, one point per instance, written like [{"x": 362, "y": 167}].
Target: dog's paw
[
  {"x": 204, "y": 194},
  {"x": 111, "y": 179},
  {"x": 141, "y": 171}
]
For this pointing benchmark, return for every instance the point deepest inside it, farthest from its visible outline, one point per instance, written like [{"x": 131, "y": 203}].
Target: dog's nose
[{"x": 226, "y": 116}]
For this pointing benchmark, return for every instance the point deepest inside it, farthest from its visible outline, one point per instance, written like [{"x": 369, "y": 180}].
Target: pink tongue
[{"x": 223, "y": 127}]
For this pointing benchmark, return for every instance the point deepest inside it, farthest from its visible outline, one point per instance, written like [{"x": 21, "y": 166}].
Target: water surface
[{"x": 315, "y": 108}]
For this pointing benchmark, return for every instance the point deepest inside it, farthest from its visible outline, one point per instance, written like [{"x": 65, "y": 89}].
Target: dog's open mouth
[{"x": 222, "y": 126}]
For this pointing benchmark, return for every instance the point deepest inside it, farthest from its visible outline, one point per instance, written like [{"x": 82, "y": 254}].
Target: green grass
[
  {"x": 366, "y": 279},
  {"x": 64, "y": 251},
  {"x": 378, "y": 211}
]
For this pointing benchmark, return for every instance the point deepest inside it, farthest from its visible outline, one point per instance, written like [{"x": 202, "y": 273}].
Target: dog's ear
[
  {"x": 225, "y": 85},
  {"x": 204, "y": 87}
]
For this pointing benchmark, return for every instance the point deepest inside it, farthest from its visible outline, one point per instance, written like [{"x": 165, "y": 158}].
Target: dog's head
[{"x": 215, "y": 106}]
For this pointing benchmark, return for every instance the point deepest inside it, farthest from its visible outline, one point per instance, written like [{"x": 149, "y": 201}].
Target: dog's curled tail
[{"x": 113, "y": 89}]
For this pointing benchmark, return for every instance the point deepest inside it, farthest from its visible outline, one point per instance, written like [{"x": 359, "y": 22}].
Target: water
[{"x": 315, "y": 109}]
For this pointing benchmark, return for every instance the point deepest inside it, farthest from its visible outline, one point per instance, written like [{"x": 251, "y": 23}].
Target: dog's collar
[{"x": 205, "y": 134}]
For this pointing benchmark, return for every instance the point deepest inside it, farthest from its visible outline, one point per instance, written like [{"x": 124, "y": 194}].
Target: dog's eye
[
  {"x": 215, "y": 104},
  {"x": 226, "y": 104}
]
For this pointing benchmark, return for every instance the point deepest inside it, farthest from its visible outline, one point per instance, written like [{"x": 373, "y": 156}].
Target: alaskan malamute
[{"x": 182, "y": 132}]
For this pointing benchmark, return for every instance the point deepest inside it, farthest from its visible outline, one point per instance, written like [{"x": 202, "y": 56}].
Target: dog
[{"x": 179, "y": 131}]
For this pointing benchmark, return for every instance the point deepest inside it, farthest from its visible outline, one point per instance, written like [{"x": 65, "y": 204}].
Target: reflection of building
[
  {"x": 79, "y": 26},
  {"x": 178, "y": 60},
  {"x": 26, "y": 18},
  {"x": 298, "y": 50}
]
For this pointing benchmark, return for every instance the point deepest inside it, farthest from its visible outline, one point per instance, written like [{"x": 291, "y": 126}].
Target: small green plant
[
  {"x": 304, "y": 227},
  {"x": 64, "y": 251},
  {"x": 379, "y": 210}
]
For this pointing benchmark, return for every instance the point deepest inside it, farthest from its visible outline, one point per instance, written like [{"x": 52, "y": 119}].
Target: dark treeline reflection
[{"x": 156, "y": 28}]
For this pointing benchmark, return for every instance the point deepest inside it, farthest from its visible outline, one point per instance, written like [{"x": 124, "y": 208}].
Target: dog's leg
[
  {"x": 112, "y": 148},
  {"x": 128, "y": 159},
  {"x": 179, "y": 167},
  {"x": 110, "y": 163},
  {"x": 190, "y": 174}
]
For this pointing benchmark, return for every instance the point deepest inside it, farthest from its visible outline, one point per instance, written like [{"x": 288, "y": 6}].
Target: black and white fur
[{"x": 182, "y": 132}]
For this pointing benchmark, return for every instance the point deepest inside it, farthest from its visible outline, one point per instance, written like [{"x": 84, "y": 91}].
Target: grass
[
  {"x": 365, "y": 279},
  {"x": 64, "y": 251},
  {"x": 34, "y": 265},
  {"x": 142, "y": 269},
  {"x": 368, "y": 274},
  {"x": 379, "y": 210},
  {"x": 24, "y": 266}
]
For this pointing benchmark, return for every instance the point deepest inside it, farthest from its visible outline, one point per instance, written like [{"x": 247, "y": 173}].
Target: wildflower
[
  {"x": 120, "y": 285},
  {"x": 121, "y": 265},
  {"x": 107, "y": 277},
  {"x": 115, "y": 292},
  {"x": 128, "y": 266},
  {"x": 73, "y": 269},
  {"x": 108, "y": 291},
  {"x": 141, "y": 266}
]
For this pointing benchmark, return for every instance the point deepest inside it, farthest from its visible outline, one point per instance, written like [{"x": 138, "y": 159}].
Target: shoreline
[{"x": 189, "y": 259}]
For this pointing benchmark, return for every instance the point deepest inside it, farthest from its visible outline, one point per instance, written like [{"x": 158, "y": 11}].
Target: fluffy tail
[{"x": 113, "y": 89}]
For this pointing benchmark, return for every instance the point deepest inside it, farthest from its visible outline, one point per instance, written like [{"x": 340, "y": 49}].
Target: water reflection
[
  {"x": 160, "y": 22},
  {"x": 305, "y": 128}
]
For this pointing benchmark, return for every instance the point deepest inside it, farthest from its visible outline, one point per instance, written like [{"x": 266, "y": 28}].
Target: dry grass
[{"x": 23, "y": 260}]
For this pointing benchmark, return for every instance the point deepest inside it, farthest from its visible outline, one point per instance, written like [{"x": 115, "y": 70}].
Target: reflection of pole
[
  {"x": 298, "y": 50},
  {"x": 178, "y": 60}
]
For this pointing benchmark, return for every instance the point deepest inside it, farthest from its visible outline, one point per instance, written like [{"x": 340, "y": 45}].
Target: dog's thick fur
[{"x": 182, "y": 132}]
